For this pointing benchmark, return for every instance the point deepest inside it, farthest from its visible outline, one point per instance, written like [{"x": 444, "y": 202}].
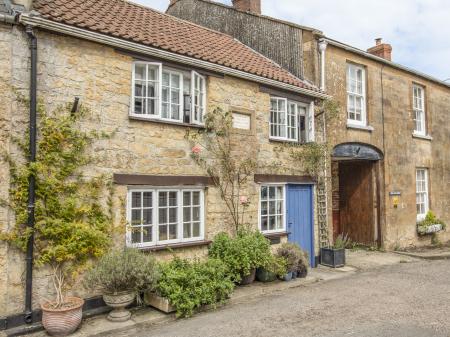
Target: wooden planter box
[
  {"x": 158, "y": 302},
  {"x": 334, "y": 258}
]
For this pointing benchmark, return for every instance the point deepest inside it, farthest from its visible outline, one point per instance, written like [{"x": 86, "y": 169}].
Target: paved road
[{"x": 404, "y": 300}]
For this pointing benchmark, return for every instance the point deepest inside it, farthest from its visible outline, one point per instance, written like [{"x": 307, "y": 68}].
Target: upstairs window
[
  {"x": 356, "y": 95},
  {"x": 419, "y": 110},
  {"x": 422, "y": 203},
  {"x": 168, "y": 94},
  {"x": 291, "y": 121}
]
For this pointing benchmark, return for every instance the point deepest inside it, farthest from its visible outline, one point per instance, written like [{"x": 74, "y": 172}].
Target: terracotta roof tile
[{"x": 136, "y": 23}]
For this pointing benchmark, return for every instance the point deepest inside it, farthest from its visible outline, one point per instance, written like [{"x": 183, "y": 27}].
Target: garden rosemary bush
[
  {"x": 188, "y": 285},
  {"x": 247, "y": 251},
  {"x": 123, "y": 270}
]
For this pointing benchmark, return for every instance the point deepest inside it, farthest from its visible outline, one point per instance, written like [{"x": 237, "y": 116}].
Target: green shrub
[
  {"x": 296, "y": 258},
  {"x": 276, "y": 265},
  {"x": 190, "y": 284},
  {"x": 249, "y": 250},
  {"x": 123, "y": 270},
  {"x": 429, "y": 220}
]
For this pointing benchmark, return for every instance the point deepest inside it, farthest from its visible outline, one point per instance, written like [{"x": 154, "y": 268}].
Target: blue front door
[{"x": 299, "y": 215}]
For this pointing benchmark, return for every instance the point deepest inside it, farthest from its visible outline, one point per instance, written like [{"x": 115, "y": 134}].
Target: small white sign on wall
[{"x": 241, "y": 121}]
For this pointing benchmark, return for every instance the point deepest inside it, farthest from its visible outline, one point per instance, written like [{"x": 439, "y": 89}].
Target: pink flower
[
  {"x": 196, "y": 149},
  {"x": 243, "y": 199}
]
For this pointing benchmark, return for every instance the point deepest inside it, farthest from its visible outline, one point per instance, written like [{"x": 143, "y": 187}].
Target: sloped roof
[{"x": 139, "y": 24}]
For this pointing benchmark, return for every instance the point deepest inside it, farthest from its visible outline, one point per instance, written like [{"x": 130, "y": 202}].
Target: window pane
[
  {"x": 187, "y": 230},
  {"x": 175, "y": 112},
  {"x": 138, "y": 106},
  {"x": 173, "y": 199},
  {"x": 135, "y": 217},
  {"x": 280, "y": 222},
  {"x": 163, "y": 233},
  {"x": 196, "y": 214},
  {"x": 139, "y": 71},
  {"x": 264, "y": 226},
  {"x": 147, "y": 234},
  {"x": 173, "y": 215},
  {"x": 136, "y": 235},
  {"x": 264, "y": 208},
  {"x": 166, "y": 79},
  {"x": 172, "y": 232},
  {"x": 186, "y": 214},
  {"x": 272, "y": 223},
  {"x": 186, "y": 198},
  {"x": 151, "y": 106},
  {"x": 147, "y": 216},
  {"x": 165, "y": 110},
  {"x": 148, "y": 199},
  {"x": 264, "y": 193},
  {"x": 196, "y": 198},
  {"x": 136, "y": 199},
  {"x": 151, "y": 90},
  {"x": 152, "y": 73},
  {"x": 175, "y": 80},
  {"x": 163, "y": 215},
  {"x": 162, "y": 198},
  {"x": 139, "y": 89},
  {"x": 196, "y": 230},
  {"x": 272, "y": 192}
]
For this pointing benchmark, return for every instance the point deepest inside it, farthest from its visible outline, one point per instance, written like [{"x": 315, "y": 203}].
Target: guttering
[
  {"x": 28, "y": 316},
  {"x": 28, "y": 19},
  {"x": 382, "y": 60}
]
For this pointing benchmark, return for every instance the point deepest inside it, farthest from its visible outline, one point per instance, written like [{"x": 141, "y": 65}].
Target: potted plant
[
  {"x": 70, "y": 225},
  {"x": 292, "y": 254},
  {"x": 275, "y": 267},
  {"x": 121, "y": 275},
  {"x": 242, "y": 255},
  {"x": 334, "y": 256},
  {"x": 302, "y": 264},
  {"x": 430, "y": 225},
  {"x": 185, "y": 286}
]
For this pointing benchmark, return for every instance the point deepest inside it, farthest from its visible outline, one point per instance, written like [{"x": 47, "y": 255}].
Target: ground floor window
[
  {"x": 163, "y": 216},
  {"x": 272, "y": 208},
  {"x": 422, "y": 200}
]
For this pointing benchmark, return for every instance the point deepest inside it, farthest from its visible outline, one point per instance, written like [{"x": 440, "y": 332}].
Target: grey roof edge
[
  {"x": 292, "y": 24},
  {"x": 382, "y": 60}
]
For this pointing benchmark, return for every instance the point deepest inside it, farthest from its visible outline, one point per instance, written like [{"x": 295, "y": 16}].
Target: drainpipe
[
  {"x": 322, "y": 49},
  {"x": 31, "y": 181}
]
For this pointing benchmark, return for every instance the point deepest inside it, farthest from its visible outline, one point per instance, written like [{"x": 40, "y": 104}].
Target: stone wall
[
  {"x": 101, "y": 77},
  {"x": 390, "y": 114}
]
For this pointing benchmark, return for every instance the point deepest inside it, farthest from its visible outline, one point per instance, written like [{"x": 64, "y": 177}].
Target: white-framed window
[
  {"x": 356, "y": 95},
  {"x": 158, "y": 216},
  {"x": 272, "y": 209},
  {"x": 419, "y": 110},
  {"x": 167, "y": 94},
  {"x": 291, "y": 121},
  {"x": 422, "y": 199},
  {"x": 198, "y": 97}
]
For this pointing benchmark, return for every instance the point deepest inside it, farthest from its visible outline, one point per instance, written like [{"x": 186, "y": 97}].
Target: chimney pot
[
  {"x": 381, "y": 49},
  {"x": 252, "y": 6}
]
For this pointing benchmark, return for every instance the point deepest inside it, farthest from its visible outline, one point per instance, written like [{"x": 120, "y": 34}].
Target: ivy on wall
[{"x": 71, "y": 223}]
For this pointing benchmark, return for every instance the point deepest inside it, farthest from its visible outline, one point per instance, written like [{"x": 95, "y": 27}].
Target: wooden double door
[{"x": 358, "y": 201}]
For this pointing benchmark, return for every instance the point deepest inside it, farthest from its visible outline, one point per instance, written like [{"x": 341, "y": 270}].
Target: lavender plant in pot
[
  {"x": 120, "y": 276},
  {"x": 292, "y": 254}
]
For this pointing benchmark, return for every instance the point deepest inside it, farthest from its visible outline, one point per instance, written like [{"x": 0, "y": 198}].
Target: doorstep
[{"x": 100, "y": 326}]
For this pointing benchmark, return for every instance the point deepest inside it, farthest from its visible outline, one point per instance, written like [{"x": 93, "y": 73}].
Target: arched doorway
[{"x": 356, "y": 192}]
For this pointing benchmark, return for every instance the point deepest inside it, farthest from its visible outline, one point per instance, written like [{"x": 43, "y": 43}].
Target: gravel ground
[{"x": 403, "y": 300}]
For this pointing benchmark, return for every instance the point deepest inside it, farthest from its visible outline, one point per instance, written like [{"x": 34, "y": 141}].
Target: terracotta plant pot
[
  {"x": 118, "y": 302},
  {"x": 64, "y": 321},
  {"x": 248, "y": 279}
]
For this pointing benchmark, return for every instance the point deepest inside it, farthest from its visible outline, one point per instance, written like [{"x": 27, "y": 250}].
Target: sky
[{"x": 418, "y": 30}]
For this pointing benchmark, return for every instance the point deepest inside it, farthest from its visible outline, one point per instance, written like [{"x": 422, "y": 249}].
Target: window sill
[
  {"x": 424, "y": 137},
  {"x": 275, "y": 235},
  {"x": 360, "y": 127},
  {"x": 285, "y": 141},
  {"x": 162, "y": 121},
  {"x": 176, "y": 246}
]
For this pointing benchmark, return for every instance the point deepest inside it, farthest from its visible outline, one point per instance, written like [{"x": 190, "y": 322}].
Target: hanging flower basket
[{"x": 430, "y": 225}]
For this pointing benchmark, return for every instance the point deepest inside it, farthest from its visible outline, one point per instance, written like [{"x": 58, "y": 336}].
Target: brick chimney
[
  {"x": 252, "y": 6},
  {"x": 381, "y": 49}
]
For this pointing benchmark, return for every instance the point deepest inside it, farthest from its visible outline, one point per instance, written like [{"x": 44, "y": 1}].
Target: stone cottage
[
  {"x": 148, "y": 77},
  {"x": 390, "y": 163}
]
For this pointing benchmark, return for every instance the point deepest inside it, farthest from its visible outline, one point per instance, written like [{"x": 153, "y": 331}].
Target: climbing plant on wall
[
  {"x": 214, "y": 150},
  {"x": 72, "y": 225}
]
